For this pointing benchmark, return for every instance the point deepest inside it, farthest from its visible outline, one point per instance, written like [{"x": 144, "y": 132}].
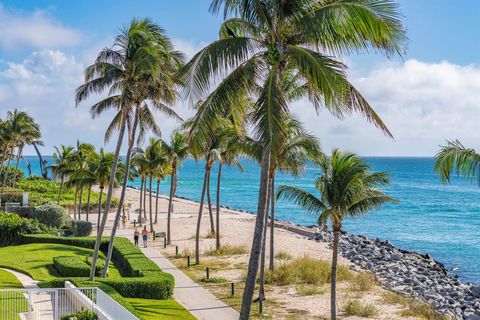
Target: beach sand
[{"x": 236, "y": 228}]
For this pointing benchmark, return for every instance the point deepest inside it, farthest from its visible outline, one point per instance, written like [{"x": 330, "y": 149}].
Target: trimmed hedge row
[
  {"x": 142, "y": 277},
  {"x": 71, "y": 266}
]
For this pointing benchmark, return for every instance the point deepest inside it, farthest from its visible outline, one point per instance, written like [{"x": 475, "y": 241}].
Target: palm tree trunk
[
  {"x": 150, "y": 205},
  {"x": 80, "y": 197},
  {"x": 7, "y": 171},
  {"x": 60, "y": 189},
  {"x": 145, "y": 197},
  {"x": 210, "y": 212},
  {"x": 122, "y": 196},
  {"x": 99, "y": 208},
  {"x": 109, "y": 199},
  {"x": 219, "y": 178},
  {"x": 333, "y": 288},
  {"x": 156, "y": 199},
  {"x": 170, "y": 200},
  {"x": 75, "y": 203},
  {"x": 88, "y": 200},
  {"x": 261, "y": 291},
  {"x": 141, "y": 200},
  {"x": 272, "y": 224},
  {"x": 199, "y": 221},
  {"x": 19, "y": 154},
  {"x": 257, "y": 238}
]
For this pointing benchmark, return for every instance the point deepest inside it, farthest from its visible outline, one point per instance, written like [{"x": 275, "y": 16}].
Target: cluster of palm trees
[
  {"x": 17, "y": 130},
  {"x": 81, "y": 167},
  {"x": 269, "y": 54}
]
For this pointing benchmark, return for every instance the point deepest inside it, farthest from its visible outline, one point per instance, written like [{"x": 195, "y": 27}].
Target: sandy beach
[{"x": 237, "y": 229}]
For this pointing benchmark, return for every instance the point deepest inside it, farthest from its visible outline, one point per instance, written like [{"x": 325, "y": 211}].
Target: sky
[{"x": 428, "y": 96}]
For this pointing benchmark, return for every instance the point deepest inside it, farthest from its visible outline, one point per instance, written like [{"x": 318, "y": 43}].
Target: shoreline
[{"x": 410, "y": 273}]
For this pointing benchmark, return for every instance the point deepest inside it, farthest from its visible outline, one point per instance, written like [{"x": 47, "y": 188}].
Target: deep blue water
[{"x": 443, "y": 220}]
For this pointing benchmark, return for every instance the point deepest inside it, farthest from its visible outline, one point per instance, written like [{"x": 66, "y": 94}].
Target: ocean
[{"x": 442, "y": 220}]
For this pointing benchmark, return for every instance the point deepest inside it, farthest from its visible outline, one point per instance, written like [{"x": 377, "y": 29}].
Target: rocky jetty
[{"x": 412, "y": 274}]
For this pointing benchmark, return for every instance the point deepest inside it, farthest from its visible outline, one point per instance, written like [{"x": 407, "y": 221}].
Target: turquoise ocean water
[{"x": 443, "y": 220}]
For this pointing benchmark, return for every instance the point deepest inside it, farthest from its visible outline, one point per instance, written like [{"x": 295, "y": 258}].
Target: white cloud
[
  {"x": 423, "y": 104},
  {"x": 36, "y": 30}
]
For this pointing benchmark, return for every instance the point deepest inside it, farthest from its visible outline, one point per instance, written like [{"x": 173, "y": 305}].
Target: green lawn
[
  {"x": 9, "y": 281},
  {"x": 160, "y": 309},
  {"x": 36, "y": 259}
]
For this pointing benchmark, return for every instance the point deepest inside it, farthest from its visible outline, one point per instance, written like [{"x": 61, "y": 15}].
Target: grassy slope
[
  {"x": 36, "y": 259},
  {"x": 9, "y": 281},
  {"x": 160, "y": 309}
]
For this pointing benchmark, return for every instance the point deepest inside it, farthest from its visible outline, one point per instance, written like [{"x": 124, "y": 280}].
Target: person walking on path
[
  {"x": 145, "y": 236},
  {"x": 124, "y": 220},
  {"x": 136, "y": 234}
]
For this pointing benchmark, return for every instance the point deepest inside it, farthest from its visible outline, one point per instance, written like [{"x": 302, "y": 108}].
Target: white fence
[{"x": 52, "y": 304}]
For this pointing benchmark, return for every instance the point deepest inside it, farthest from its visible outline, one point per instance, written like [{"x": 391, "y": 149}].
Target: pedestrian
[
  {"x": 136, "y": 234},
  {"x": 124, "y": 220},
  {"x": 145, "y": 236}
]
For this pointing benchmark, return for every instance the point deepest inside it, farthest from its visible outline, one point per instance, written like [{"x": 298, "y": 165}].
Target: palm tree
[
  {"x": 62, "y": 165},
  {"x": 102, "y": 169},
  {"x": 139, "y": 66},
  {"x": 176, "y": 151},
  {"x": 454, "y": 157},
  {"x": 30, "y": 135},
  {"x": 347, "y": 188},
  {"x": 261, "y": 40},
  {"x": 17, "y": 125}
]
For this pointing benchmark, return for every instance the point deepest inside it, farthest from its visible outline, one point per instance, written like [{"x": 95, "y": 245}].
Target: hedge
[
  {"x": 71, "y": 266},
  {"x": 142, "y": 277}
]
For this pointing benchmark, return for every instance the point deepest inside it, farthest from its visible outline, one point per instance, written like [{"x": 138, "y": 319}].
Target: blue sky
[{"x": 428, "y": 96}]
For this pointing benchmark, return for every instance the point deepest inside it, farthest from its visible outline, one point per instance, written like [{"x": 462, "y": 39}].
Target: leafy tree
[{"x": 62, "y": 165}]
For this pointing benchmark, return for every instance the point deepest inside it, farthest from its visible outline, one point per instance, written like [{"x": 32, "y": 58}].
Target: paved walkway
[{"x": 196, "y": 299}]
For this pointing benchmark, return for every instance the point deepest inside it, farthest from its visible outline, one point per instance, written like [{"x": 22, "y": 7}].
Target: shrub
[
  {"x": 305, "y": 270},
  {"x": 226, "y": 250},
  {"x": 363, "y": 282},
  {"x": 51, "y": 215},
  {"x": 82, "y": 315},
  {"x": 71, "y": 266},
  {"x": 144, "y": 279},
  {"x": 10, "y": 171},
  {"x": 13, "y": 227},
  {"x": 80, "y": 228},
  {"x": 283, "y": 255},
  {"x": 214, "y": 280},
  {"x": 309, "y": 289},
  {"x": 356, "y": 308},
  {"x": 414, "y": 308}
]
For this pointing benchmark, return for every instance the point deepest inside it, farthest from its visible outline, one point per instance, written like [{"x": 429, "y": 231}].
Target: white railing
[{"x": 52, "y": 304}]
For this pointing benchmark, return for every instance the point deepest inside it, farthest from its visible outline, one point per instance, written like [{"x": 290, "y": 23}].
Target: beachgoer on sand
[{"x": 145, "y": 235}]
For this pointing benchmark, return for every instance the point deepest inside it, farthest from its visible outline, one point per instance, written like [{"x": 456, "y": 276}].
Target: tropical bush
[
  {"x": 43, "y": 191},
  {"x": 51, "y": 215},
  {"x": 13, "y": 227},
  {"x": 82, "y": 315},
  {"x": 84, "y": 242},
  {"x": 71, "y": 266},
  {"x": 80, "y": 228},
  {"x": 22, "y": 211},
  {"x": 10, "y": 171}
]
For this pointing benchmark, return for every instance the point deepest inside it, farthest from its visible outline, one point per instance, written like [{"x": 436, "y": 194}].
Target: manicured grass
[
  {"x": 9, "y": 281},
  {"x": 36, "y": 259},
  {"x": 160, "y": 309}
]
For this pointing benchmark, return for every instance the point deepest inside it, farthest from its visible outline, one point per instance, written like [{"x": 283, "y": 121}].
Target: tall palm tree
[
  {"x": 62, "y": 165},
  {"x": 31, "y": 134},
  {"x": 347, "y": 188},
  {"x": 176, "y": 151},
  {"x": 138, "y": 67},
  {"x": 81, "y": 177},
  {"x": 454, "y": 157},
  {"x": 261, "y": 40}
]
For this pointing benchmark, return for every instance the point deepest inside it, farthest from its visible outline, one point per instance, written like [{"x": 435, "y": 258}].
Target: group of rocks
[{"x": 414, "y": 275}]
